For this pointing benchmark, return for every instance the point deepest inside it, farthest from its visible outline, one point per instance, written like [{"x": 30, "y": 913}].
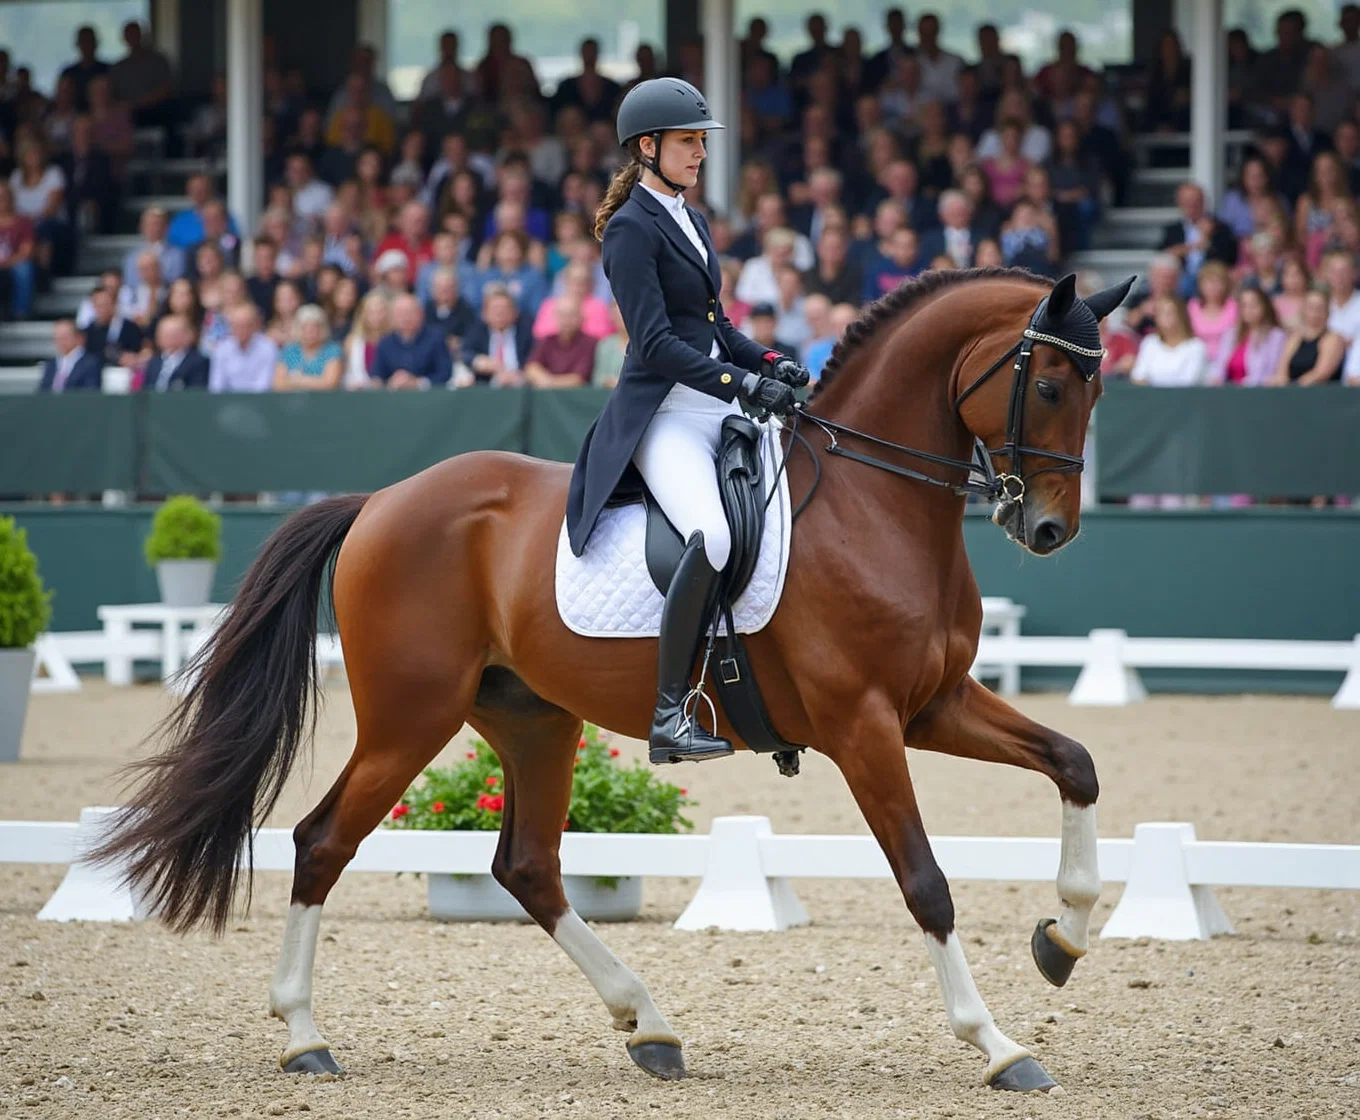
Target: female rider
[{"x": 682, "y": 373}]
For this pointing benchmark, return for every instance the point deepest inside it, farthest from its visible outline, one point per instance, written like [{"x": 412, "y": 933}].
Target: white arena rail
[{"x": 745, "y": 869}]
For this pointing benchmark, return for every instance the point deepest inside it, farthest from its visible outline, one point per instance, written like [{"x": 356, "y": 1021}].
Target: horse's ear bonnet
[{"x": 1064, "y": 320}]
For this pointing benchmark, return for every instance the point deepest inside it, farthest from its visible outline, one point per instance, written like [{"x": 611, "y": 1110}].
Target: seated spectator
[
  {"x": 341, "y": 305},
  {"x": 39, "y": 188},
  {"x": 111, "y": 281},
  {"x": 790, "y": 322},
  {"x": 448, "y": 312},
  {"x": 609, "y": 352},
  {"x": 1035, "y": 140},
  {"x": 894, "y": 263},
  {"x": 987, "y": 215},
  {"x": 1163, "y": 278},
  {"x": 1329, "y": 186},
  {"x": 956, "y": 237},
  {"x": 444, "y": 247},
  {"x": 206, "y": 132},
  {"x": 1313, "y": 353},
  {"x": 414, "y": 355},
  {"x": 1251, "y": 355},
  {"x": 339, "y": 161},
  {"x": 144, "y": 81},
  {"x": 356, "y": 105},
  {"x": 181, "y": 298},
  {"x": 509, "y": 267},
  {"x": 1213, "y": 311},
  {"x": 114, "y": 339},
  {"x": 311, "y": 196},
  {"x": 898, "y": 183},
  {"x": 1075, "y": 181},
  {"x": 1253, "y": 183},
  {"x": 1171, "y": 357},
  {"x": 218, "y": 299},
  {"x": 818, "y": 350},
  {"x": 1029, "y": 239},
  {"x": 17, "y": 279},
  {"x": 186, "y": 230},
  {"x": 578, "y": 288},
  {"x": 760, "y": 326},
  {"x": 411, "y": 238},
  {"x": 341, "y": 244},
  {"x": 264, "y": 277},
  {"x": 74, "y": 369},
  {"x": 139, "y": 302},
  {"x": 1006, "y": 170},
  {"x": 178, "y": 363},
  {"x": 758, "y": 283},
  {"x": 392, "y": 274},
  {"x": 736, "y": 310},
  {"x": 770, "y": 215},
  {"x": 1343, "y": 318},
  {"x": 371, "y": 323},
  {"x": 91, "y": 192},
  {"x": 566, "y": 358},
  {"x": 244, "y": 361},
  {"x": 363, "y": 64},
  {"x": 1197, "y": 236},
  {"x": 1120, "y": 343},
  {"x": 111, "y": 129},
  {"x": 153, "y": 228},
  {"x": 283, "y": 326},
  {"x": 314, "y": 361},
  {"x": 1259, "y": 262},
  {"x": 87, "y": 66},
  {"x": 1295, "y": 282},
  {"x": 217, "y": 232},
  {"x": 497, "y": 347},
  {"x": 989, "y": 254},
  {"x": 834, "y": 276}
]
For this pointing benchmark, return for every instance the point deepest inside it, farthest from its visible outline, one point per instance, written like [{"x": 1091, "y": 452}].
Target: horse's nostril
[{"x": 1049, "y": 534}]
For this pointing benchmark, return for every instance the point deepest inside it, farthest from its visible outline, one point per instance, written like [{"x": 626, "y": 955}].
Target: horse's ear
[
  {"x": 1107, "y": 299},
  {"x": 1061, "y": 298}
]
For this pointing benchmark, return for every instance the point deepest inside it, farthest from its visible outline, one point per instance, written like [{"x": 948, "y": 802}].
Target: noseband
[{"x": 1004, "y": 488}]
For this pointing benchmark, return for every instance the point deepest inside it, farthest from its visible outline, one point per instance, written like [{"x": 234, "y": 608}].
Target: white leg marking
[
  {"x": 290, "y": 992},
  {"x": 1078, "y": 877},
  {"x": 968, "y": 1015},
  {"x": 623, "y": 993}
]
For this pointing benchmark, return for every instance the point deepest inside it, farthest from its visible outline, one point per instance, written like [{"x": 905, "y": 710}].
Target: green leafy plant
[
  {"x": 605, "y": 797},
  {"x": 184, "y": 529},
  {"x": 25, "y": 606}
]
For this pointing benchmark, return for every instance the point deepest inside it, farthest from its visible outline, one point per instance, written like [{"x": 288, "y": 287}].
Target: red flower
[
  {"x": 582, "y": 744},
  {"x": 496, "y": 803},
  {"x": 437, "y": 807},
  {"x": 399, "y": 811},
  {"x": 472, "y": 754},
  {"x": 683, "y": 792},
  {"x": 613, "y": 752},
  {"x": 492, "y": 780},
  {"x": 566, "y": 824},
  {"x": 484, "y": 801}
]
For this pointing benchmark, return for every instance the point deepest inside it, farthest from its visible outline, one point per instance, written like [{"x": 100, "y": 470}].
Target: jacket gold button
[
  {"x": 711, "y": 302},
  {"x": 710, "y": 316},
  {"x": 726, "y": 379}
]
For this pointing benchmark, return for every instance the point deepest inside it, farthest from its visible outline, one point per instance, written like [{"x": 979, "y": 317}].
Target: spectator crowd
[{"x": 446, "y": 241}]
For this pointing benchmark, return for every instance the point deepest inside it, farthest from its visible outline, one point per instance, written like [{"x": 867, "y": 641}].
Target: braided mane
[{"x": 902, "y": 299}]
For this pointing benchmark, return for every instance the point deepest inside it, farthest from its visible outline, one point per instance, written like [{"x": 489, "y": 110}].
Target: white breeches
[{"x": 678, "y": 459}]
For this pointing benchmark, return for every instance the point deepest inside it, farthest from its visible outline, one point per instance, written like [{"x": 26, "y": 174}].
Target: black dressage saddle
[{"x": 741, "y": 485}]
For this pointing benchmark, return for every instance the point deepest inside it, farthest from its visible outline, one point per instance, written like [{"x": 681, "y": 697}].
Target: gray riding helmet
[{"x": 660, "y": 105}]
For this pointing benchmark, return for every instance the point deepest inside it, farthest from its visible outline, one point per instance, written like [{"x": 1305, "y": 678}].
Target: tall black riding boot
[{"x": 684, "y": 619}]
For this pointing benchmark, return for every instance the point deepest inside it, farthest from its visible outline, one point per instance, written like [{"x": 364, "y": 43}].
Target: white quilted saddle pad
[{"x": 607, "y": 593}]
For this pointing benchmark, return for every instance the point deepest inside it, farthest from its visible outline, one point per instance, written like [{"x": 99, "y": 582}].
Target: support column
[
  {"x": 1208, "y": 98},
  {"x": 245, "y": 112},
  {"x": 723, "y": 91}
]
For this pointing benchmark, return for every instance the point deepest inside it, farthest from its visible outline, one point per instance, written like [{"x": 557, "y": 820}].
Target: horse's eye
[{"x": 1047, "y": 390}]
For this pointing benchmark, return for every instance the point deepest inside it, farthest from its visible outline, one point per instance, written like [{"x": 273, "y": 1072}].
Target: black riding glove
[
  {"x": 783, "y": 368},
  {"x": 767, "y": 394}
]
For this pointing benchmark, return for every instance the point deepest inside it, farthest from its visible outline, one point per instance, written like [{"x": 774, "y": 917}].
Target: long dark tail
[{"x": 228, "y": 746}]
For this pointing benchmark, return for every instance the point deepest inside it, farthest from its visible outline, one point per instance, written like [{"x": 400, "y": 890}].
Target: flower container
[
  {"x": 184, "y": 546},
  {"x": 25, "y": 608},
  {"x": 186, "y": 583},
  {"x": 606, "y": 797},
  {"x": 479, "y": 898},
  {"x": 16, "y": 675}
]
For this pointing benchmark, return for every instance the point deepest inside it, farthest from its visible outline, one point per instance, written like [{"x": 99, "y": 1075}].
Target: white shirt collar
[{"x": 674, "y": 203}]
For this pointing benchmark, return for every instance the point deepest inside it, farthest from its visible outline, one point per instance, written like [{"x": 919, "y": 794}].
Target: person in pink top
[
  {"x": 1250, "y": 355},
  {"x": 577, "y": 289},
  {"x": 1213, "y": 312},
  {"x": 1006, "y": 170}
]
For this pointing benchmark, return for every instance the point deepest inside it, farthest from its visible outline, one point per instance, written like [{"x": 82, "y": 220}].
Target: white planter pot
[
  {"x": 16, "y": 674},
  {"x": 186, "y": 583},
  {"x": 479, "y": 898}
]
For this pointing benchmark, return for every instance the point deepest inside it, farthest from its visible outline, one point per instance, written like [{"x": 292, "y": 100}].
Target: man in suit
[
  {"x": 497, "y": 347},
  {"x": 74, "y": 369},
  {"x": 178, "y": 364},
  {"x": 955, "y": 237},
  {"x": 824, "y": 192},
  {"x": 114, "y": 339},
  {"x": 1197, "y": 237},
  {"x": 90, "y": 185},
  {"x": 1306, "y": 140},
  {"x": 414, "y": 355}
]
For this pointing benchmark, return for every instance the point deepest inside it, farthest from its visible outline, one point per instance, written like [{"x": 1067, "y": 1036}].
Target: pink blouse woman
[{"x": 1213, "y": 312}]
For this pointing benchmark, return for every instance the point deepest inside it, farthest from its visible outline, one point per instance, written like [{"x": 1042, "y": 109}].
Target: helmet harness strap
[{"x": 654, "y": 164}]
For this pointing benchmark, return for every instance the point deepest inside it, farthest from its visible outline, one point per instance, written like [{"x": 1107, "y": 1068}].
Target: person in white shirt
[
  {"x": 939, "y": 68},
  {"x": 759, "y": 283},
  {"x": 141, "y": 302},
  {"x": 448, "y": 52},
  {"x": 1338, "y": 269},
  {"x": 311, "y": 196},
  {"x": 243, "y": 362},
  {"x": 1172, "y": 357}
]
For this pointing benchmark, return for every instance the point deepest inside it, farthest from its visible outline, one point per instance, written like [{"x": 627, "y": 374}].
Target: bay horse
[{"x": 443, "y": 593}]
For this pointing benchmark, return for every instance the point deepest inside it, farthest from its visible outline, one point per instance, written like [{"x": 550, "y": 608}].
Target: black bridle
[{"x": 1005, "y": 488}]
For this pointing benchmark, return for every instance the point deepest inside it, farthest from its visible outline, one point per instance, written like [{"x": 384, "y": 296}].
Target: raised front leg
[
  {"x": 875, "y": 768},
  {"x": 974, "y": 723}
]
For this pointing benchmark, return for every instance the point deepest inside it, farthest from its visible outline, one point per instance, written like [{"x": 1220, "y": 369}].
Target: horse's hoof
[
  {"x": 1054, "y": 962},
  {"x": 663, "y": 1060},
  {"x": 1024, "y": 1076},
  {"x": 313, "y": 1061}
]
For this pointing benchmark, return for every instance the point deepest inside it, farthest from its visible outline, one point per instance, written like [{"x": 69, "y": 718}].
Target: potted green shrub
[
  {"x": 184, "y": 546},
  {"x": 605, "y": 797},
  {"x": 25, "y": 608}
]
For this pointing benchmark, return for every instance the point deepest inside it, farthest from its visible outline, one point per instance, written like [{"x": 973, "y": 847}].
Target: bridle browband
[{"x": 993, "y": 487}]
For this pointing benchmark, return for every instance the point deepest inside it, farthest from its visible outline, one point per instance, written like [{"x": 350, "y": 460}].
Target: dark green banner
[
  {"x": 79, "y": 443},
  {"x": 559, "y": 420},
  {"x": 1288, "y": 442},
  {"x": 201, "y": 442}
]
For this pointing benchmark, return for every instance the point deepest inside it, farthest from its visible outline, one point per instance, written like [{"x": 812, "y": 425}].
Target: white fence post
[
  {"x": 61, "y": 677},
  {"x": 1105, "y": 680},
  {"x": 735, "y": 893},
  {"x": 1159, "y": 900},
  {"x": 1348, "y": 695},
  {"x": 89, "y": 893}
]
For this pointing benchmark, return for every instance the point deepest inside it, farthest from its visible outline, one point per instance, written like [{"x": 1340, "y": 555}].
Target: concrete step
[
  {"x": 59, "y": 305},
  {"x": 1126, "y": 237},
  {"x": 28, "y": 342},
  {"x": 1111, "y": 263},
  {"x": 105, "y": 251},
  {"x": 171, "y": 203},
  {"x": 19, "y": 379},
  {"x": 1139, "y": 216}
]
